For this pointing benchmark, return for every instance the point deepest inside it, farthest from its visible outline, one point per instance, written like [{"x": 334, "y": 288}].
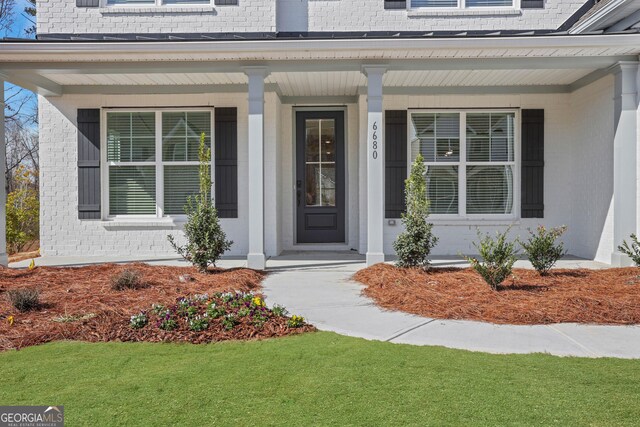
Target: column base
[
  {"x": 374, "y": 258},
  {"x": 618, "y": 259},
  {"x": 4, "y": 260},
  {"x": 256, "y": 261}
]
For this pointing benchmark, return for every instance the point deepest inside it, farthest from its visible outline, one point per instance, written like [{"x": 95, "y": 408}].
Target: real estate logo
[{"x": 31, "y": 416}]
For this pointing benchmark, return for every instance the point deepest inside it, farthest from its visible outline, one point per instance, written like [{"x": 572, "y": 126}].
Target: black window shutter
[
  {"x": 226, "y": 2},
  {"x": 226, "y": 162},
  {"x": 89, "y": 163},
  {"x": 88, "y": 3},
  {"x": 532, "y": 200},
  {"x": 395, "y": 142},
  {"x": 395, "y": 4},
  {"x": 532, "y": 4}
]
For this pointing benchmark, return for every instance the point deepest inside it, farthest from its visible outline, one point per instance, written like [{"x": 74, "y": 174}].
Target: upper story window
[{"x": 464, "y": 4}]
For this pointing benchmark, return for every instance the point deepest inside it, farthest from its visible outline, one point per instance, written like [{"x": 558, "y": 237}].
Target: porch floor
[{"x": 318, "y": 286}]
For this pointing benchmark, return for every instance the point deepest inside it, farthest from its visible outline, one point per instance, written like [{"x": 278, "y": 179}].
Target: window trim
[
  {"x": 159, "y": 163},
  {"x": 462, "y": 164},
  {"x": 462, "y": 5}
]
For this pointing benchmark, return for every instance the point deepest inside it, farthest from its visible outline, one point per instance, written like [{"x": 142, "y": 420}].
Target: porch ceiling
[
  {"x": 339, "y": 83},
  {"x": 317, "y": 67}
]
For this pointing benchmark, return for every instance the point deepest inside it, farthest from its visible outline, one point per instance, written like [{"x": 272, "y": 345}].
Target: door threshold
[{"x": 321, "y": 247}]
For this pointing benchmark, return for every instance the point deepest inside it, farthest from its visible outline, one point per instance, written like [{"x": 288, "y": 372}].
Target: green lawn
[{"x": 317, "y": 379}]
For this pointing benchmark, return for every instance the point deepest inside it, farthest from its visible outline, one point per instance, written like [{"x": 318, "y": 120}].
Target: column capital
[
  {"x": 259, "y": 71},
  {"x": 373, "y": 69},
  {"x": 622, "y": 66}
]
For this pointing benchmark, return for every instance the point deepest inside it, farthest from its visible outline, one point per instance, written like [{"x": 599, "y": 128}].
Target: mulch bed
[
  {"x": 103, "y": 313},
  {"x": 610, "y": 296}
]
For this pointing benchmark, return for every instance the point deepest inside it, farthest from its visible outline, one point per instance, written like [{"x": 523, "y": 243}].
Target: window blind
[
  {"x": 442, "y": 189},
  {"x": 132, "y": 190},
  {"x": 434, "y": 3},
  {"x": 436, "y": 137},
  {"x": 489, "y": 189},
  {"x": 489, "y": 3},
  {"x": 180, "y": 182},
  {"x": 181, "y": 135},
  {"x": 131, "y": 137}
]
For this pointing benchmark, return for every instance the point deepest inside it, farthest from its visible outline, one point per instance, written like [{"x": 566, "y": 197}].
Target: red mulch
[
  {"x": 610, "y": 296},
  {"x": 86, "y": 291}
]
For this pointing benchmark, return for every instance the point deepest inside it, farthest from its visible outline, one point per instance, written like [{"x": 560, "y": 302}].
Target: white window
[
  {"x": 151, "y": 160},
  {"x": 465, "y": 4},
  {"x": 471, "y": 161}
]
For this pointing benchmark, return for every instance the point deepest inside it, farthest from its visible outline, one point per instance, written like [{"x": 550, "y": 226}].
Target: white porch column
[
  {"x": 375, "y": 165},
  {"x": 256, "y": 258},
  {"x": 4, "y": 260},
  {"x": 625, "y": 157}
]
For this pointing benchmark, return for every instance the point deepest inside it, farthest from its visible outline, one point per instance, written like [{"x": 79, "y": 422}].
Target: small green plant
[
  {"x": 126, "y": 279},
  {"x": 243, "y": 311},
  {"x": 167, "y": 323},
  {"x": 296, "y": 321},
  {"x": 279, "y": 311},
  {"x": 498, "y": 256},
  {"x": 206, "y": 241},
  {"x": 413, "y": 246},
  {"x": 229, "y": 321},
  {"x": 632, "y": 251},
  {"x": 214, "y": 311},
  {"x": 139, "y": 321},
  {"x": 24, "y": 299},
  {"x": 542, "y": 250},
  {"x": 259, "y": 319},
  {"x": 158, "y": 309},
  {"x": 198, "y": 323}
]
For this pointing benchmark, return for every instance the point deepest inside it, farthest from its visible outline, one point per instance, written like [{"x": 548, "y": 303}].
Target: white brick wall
[
  {"x": 370, "y": 15},
  {"x": 578, "y": 169},
  {"x": 62, "y": 16},
  {"x": 62, "y": 233},
  {"x": 578, "y": 174}
]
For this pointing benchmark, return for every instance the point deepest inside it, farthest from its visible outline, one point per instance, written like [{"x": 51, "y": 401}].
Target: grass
[{"x": 316, "y": 379}]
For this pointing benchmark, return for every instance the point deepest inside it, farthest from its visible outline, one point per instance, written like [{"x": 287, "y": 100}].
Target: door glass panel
[
  {"x": 312, "y": 146},
  {"x": 312, "y": 190},
  {"x": 320, "y": 162},
  {"x": 328, "y": 185}
]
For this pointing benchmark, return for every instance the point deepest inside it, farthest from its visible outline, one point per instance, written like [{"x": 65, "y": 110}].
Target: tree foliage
[
  {"x": 413, "y": 246},
  {"x": 23, "y": 212},
  {"x": 206, "y": 242}
]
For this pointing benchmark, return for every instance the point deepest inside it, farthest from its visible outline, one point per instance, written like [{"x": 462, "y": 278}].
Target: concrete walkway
[
  {"x": 323, "y": 293},
  {"x": 318, "y": 286}
]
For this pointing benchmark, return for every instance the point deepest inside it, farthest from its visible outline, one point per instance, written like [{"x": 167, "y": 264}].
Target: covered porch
[{"x": 587, "y": 86}]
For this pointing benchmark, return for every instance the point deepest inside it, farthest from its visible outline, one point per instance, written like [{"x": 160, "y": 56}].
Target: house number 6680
[{"x": 375, "y": 140}]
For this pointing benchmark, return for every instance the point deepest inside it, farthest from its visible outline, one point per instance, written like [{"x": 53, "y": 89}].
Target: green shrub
[
  {"x": 413, "y": 246},
  {"x": 126, "y": 279},
  {"x": 542, "y": 250},
  {"x": 229, "y": 321},
  {"x": 279, "y": 310},
  {"x": 24, "y": 299},
  {"x": 632, "y": 251},
  {"x": 23, "y": 212},
  {"x": 498, "y": 256},
  {"x": 206, "y": 241}
]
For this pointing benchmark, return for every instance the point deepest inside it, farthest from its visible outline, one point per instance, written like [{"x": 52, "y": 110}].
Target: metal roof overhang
[{"x": 42, "y": 65}]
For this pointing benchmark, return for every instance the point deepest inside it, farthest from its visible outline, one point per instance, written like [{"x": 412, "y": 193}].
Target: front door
[{"x": 320, "y": 177}]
